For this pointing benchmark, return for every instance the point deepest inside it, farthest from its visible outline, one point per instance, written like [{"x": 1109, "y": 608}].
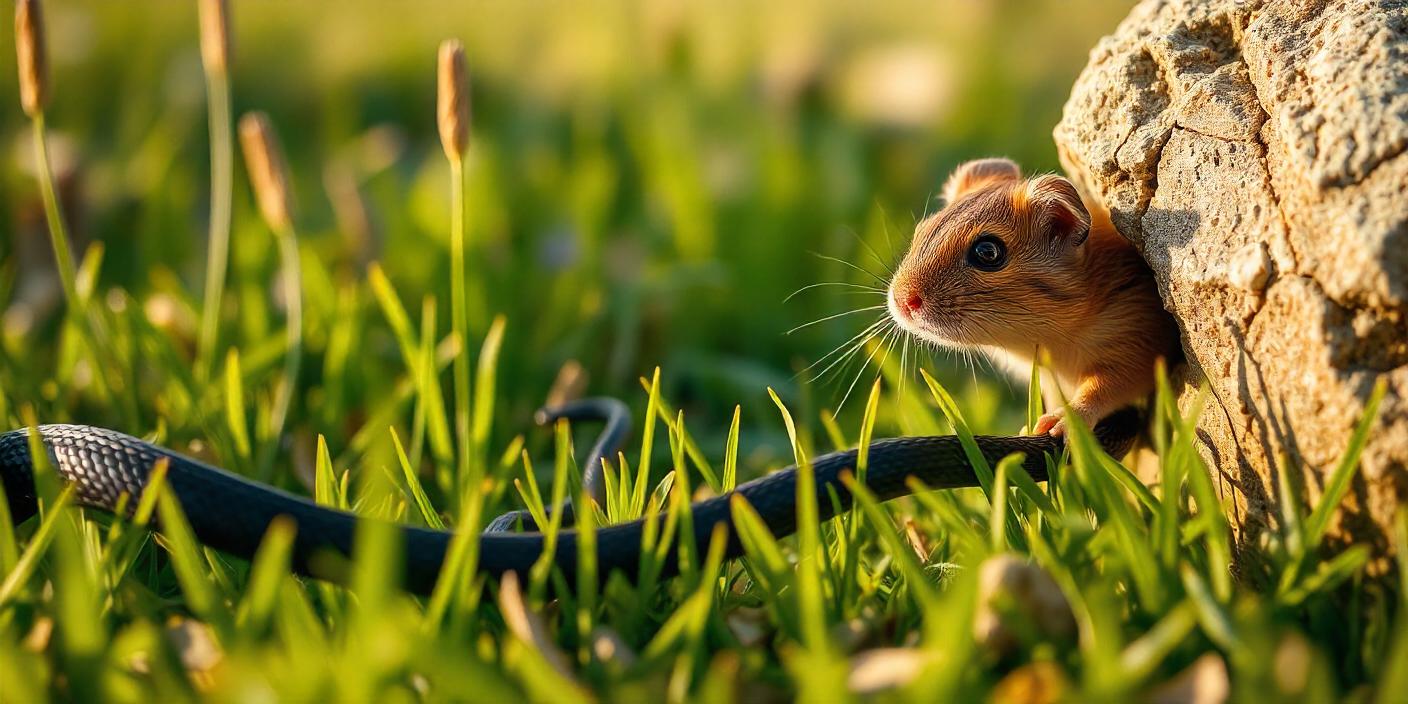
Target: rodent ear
[
  {"x": 975, "y": 174},
  {"x": 1058, "y": 208}
]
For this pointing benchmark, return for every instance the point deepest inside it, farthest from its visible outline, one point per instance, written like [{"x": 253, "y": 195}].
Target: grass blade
[
  {"x": 689, "y": 561},
  {"x": 965, "y": 435},
  {"x": 326, "y": 489},
  {"x": 1330, "y": 574},
  {"x": 266, "y": 577},
  {"x": 427, "y": 512},
  {"x": 1028, "y": 488},
  {"x": 998, "y": 521},
  {"x": 484, "y": 388},
  {"x": 39, "y": 543},
  {"x": 809, "y": 582},
  {"x": 1288, "y": 491},
  {"x": 913, "y": 572},
  {"x": 1214, "y": 620},
  {"x": 647, "y": 445},
  {"x": 1131, "y": 483},
  {"x": 851, "y": 561},
  {"x": 759, "y": 544},
  {"x": 730, "y": 480},
  {"x": 9, "y": 546},
  {"x": 186, "y": 560},
  {"x": 1337, "y": 484},
  {"x": 234, "y": 404},
  {"x": 666, "y": 414}
]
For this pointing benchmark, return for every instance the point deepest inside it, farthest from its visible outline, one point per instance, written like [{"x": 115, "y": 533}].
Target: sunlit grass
[
  {"x": 1147, "y": 602},
  {"x": 654, "y": 229}
]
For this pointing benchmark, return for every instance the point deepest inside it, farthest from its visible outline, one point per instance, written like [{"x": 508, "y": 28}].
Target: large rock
[{"x": 1254, "y": 151}]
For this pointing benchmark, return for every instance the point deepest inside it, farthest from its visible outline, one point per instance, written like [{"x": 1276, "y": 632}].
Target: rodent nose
[{"x": 908, "y": 301}]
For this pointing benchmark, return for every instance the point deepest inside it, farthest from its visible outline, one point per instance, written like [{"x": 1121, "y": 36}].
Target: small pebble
[
  {"x": 195, "y": 643},
  {"x": 1016, "y": 596},
  {"x": 885, "y": 668},
  {"x": 1035, "y": 683},
  {"x": 1250, "y": 268},
  {"x": 1203, "y": 682}
]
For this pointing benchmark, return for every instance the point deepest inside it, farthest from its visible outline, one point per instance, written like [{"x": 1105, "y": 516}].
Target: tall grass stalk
[
  {"x": 215, "y": 55},
  {"x": 453, "y": 120},
  {"x": 32, "y": 61},
  {"x": 58, "y": 229},
  {"x": 31, "y": 58},
  {"x": 293, "y": 302},
  {"x": 268, "y": 175}
]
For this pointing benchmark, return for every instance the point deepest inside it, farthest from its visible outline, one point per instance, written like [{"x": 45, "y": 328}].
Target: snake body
[{"x": 232, "y": 514}]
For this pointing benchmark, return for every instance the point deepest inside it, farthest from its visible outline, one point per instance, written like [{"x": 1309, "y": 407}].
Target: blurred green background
[{"x": 649, "y": 182}]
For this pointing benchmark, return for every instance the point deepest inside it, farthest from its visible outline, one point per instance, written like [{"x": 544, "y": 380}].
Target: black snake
[{"x": 231, "y": 513}]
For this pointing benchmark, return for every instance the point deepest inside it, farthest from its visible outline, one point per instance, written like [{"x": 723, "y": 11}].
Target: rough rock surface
[{"x": 1254, "y": 150}]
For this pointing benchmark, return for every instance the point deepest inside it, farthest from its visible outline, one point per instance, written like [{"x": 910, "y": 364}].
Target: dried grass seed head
[
  {"x": 215, "y": 35},
  {"x": 30, "y": 56},
  {"x": 452, "y": 105},
  {"x": 268, "y": 172}
]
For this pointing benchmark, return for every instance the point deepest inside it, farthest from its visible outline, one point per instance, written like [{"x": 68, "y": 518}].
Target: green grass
[
  {"x": 638, "y": 207},
  {"x": 1148, "y": 602}
]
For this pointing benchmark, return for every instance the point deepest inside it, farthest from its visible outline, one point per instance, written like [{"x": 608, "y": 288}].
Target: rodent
[{"x": 1016, "y": 267}]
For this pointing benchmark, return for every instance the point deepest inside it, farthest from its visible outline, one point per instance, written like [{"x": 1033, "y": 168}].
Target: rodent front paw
[{"x": 1053, "y": 423}]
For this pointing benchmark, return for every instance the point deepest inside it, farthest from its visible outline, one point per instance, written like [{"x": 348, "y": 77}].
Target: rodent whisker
[
  {"x": 844, "y": 284},
  {"x": 835, "y": 316},
  {"x": 889, "y": 242},
  {"x": 837, "y": 368},
  {"x": 852, "y": 344},
  {"x": 889, "y": 337},
  {"x": 862, "y": 270},
  {"x": 904, "y": 365},
  {"x": 876, "y": 255}
]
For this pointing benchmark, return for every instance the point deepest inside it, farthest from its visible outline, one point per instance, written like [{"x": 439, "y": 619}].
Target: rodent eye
[{"x": 987, "y": 253}]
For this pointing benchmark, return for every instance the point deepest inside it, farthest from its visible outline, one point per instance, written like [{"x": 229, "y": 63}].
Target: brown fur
[{"x": 1072, "y": 287}]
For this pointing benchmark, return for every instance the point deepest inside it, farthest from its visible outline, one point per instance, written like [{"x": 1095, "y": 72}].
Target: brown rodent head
[{"x": 1002, "y": 264}]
